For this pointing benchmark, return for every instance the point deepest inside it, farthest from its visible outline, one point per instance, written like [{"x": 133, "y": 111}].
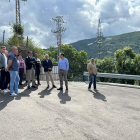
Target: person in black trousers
[
  {"x": 37, "y": 68},
  {"x": 7, "y": 74},
  {"x": 2, "y": 67}
]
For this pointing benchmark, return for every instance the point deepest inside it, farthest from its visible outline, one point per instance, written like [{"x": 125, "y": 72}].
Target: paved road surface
[{"x": 113, "y": 113}]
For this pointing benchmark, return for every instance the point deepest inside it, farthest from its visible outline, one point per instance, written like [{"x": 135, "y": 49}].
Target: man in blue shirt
[
  {"x": 63, "y": 67},
  {"x": 13, "y": 70}
]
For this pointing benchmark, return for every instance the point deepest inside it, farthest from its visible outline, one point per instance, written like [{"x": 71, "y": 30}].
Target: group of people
[{"x": 13, "y": 68}]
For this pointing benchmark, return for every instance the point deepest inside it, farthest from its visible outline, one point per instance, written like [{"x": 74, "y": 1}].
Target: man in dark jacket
[
  {"x": 30, "y": 69},
  {"x": 47, "y": 64}
]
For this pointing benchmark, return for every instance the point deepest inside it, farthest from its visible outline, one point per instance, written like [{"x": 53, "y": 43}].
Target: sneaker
[
  {"x": 7, "y": 90},
  {"x": 89, "y": 88},
  {"x": 95, "y": 89},
  {"x": 18, "y": 92},
  {"x": 13, "y": 94},
  {"x": 3, "y": 91}
]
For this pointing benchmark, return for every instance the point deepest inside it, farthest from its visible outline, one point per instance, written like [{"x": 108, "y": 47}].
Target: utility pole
[
  {"x": 3, "y": 36},
  {"x": 59, "y": 31},
  {"x": 99, "y": 40},
  {"x": 18, "y": 19}
]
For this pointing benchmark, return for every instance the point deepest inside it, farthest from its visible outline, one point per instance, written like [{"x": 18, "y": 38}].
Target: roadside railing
[{"x": 113, "y": 75}]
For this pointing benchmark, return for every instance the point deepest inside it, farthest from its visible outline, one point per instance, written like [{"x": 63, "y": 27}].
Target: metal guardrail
[{"x": 118, "y": 76}]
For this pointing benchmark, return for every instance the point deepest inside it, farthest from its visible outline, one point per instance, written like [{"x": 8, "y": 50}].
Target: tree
[
  {"x": 123, "y": 62},
  {"x": 13, "y": 41}
]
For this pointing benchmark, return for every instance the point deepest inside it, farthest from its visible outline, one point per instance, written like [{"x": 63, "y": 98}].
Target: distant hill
[{"x": 110, "y": 45}]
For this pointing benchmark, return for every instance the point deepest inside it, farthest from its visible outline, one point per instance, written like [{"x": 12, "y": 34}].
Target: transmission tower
[
  {"x": 59, "y": 31},
  {"x": 18, "y": 19},
  {"x": 99, "y": 40}
]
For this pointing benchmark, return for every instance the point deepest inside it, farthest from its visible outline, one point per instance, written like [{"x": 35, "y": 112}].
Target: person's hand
[
  {"x": 49, "y": 68},
  {"x": 6, "y": 69},
  {"x": 25, "y": 72}
]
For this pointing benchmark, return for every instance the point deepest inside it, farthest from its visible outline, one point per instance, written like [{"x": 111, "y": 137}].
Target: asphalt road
[{"x": 113, "y": 113}]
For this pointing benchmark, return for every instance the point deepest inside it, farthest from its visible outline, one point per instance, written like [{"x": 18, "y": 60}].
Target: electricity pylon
[
  {"x": 18, "y": 19},
  {"x": 59, "y": 31},
  {"x": 99, "y": 40}
]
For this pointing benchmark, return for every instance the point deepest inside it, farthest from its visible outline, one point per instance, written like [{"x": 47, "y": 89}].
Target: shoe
[
  {"x": 13, "y": 94},
  {"x": 54, "y": 86},
  {"x": 60, "y": 88},
  {"x": 7, "y": 90},
  {"x": 66, "y": 88},
  {"x": 29, "y": 87},
  {"x": 34, "y": 87},
  {"x": 39, "y": 84},
  {"x": 18, "y": 92},
  {"x": 48, "y": 86},
  {"x": 3, "y": 91},
  {"x": 20, "y": 84},
  {"x": 95, "y": 89},
  {"x": 89, "y": 88}
]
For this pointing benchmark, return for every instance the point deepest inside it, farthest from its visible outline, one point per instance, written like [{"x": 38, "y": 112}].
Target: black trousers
[
  {"x": 37, "y": 73},
  {"x": 21, "y": 72},
  {"x": 7, "y": 80},
  {"x": 2, "y": 79}
]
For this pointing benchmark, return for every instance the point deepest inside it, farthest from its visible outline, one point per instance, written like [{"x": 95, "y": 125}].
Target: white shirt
[
  {"x": 5, "y": 60},
  {"x": 37, "y": 59}
]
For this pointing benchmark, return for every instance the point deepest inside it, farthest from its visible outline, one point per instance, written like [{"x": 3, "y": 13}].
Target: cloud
[{"x": 82, "y": 16}]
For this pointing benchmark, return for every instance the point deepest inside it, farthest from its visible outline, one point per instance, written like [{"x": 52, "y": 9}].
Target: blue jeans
[
  {"x": 92, "y": 80},
  {"x": 14, "y": 81}
]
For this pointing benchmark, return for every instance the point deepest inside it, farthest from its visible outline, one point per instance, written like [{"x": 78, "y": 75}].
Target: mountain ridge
[{"x": 110, "y": 44}]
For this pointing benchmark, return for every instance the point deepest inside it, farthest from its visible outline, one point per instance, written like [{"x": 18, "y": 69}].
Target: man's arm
[
  {"x": 67, "y": 64},
  {"x": 88, "y": 68},
  {"x": 9, "y": 65},
  {"x": 51, "y": 65},
  {"x": 58, "y": 65},
  {"x": 0, "y": 61}
]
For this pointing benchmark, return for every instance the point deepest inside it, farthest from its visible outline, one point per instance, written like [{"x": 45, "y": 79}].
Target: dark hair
[
  {"x": 3, "y": 47},
  {"x": 19, "y": 54},
  {"x": 62, "y": 54},
  {"x": 29, "y": 52}
]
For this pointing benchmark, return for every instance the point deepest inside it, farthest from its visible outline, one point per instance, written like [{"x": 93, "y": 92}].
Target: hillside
[{"x": 111, "y": 44}]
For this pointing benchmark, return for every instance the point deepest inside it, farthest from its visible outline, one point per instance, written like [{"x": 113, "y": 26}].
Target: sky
[{"x": 117, "y": 17}]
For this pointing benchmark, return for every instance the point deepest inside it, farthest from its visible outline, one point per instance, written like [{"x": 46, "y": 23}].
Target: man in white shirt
[
  {"x": 2, "y": 68},
  {"x": 7, "y": 74}
]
